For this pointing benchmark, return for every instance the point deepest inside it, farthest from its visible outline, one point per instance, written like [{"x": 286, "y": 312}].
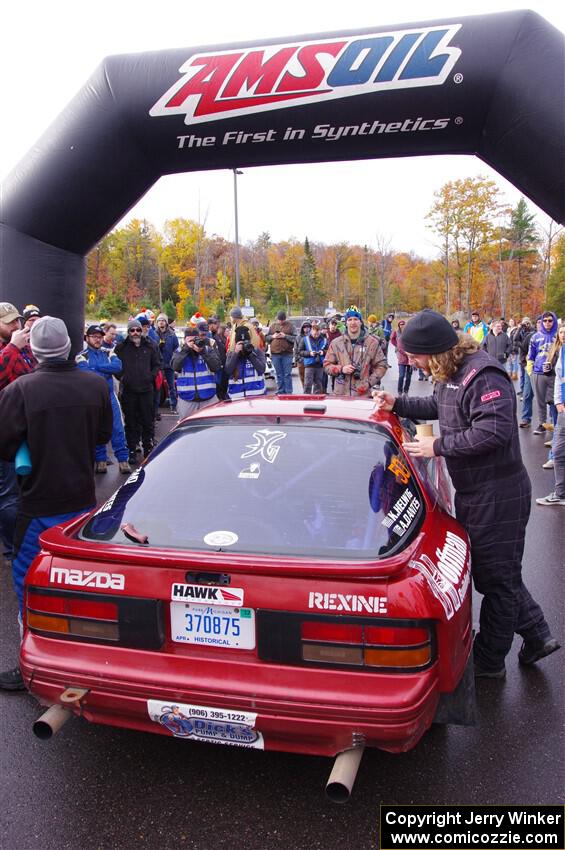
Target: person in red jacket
[{"x": 16, "y": 359}]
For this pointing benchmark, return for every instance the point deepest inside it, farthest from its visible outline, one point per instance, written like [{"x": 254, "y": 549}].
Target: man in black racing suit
[{"x": 475, "y": 404}]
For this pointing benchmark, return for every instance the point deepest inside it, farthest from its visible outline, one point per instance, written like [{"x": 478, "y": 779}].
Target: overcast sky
[{"x": 49, "y": 50}]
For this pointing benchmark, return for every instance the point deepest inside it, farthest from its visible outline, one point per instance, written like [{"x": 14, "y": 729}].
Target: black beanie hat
[{"x": 428, "y": 332}]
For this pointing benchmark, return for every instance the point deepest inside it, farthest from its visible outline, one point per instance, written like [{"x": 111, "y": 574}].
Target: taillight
[
  {"x": 393, "y": 645},
  {"x": 76, "y": 615}
]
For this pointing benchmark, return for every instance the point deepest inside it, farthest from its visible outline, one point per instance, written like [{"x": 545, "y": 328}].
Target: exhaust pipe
[
  {"x": 51, "y": 721},
  {"x": 344, "y": 772},
  {"x": 57, "y": 715}
]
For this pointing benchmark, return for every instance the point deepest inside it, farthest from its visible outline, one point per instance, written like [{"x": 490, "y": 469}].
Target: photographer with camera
[
  {"x": 245, "y": 361},
  {"x": 355, "y": 359},
  {"x": 196, "y": 364},
  {"x": 311, "y": 351}
]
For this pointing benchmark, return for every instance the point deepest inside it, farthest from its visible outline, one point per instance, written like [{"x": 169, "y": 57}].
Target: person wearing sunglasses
[
  {"x": 541, "y": 373},
  {"x": 140, "y": 364}
]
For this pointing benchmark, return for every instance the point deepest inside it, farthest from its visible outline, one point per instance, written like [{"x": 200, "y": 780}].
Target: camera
[
  {"x": 199, "y": 343},
  {"x": 356, "y": 374},
  {"x": 242, "y": 335}
]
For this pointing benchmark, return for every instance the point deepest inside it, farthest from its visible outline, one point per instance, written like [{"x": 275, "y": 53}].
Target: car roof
[{"x": 357, "y": 409}]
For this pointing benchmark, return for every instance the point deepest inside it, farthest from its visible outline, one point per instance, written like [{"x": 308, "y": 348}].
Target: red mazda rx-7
[{"x": 279, "y": 575}]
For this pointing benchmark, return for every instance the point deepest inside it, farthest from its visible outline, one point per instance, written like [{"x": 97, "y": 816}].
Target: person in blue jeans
[
  {"x": 281, "y": 339},
  {"x": 94, "y": 358},
  {"x": 8, "y": 506},
  {"x": 168, "y": 344}
]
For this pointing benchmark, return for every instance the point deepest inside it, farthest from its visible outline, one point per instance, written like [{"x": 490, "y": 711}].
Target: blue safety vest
[
  {"x": 195, "y": 376},
  {"x": 313, "y": 345},
  {"x": 249, "y": 383}
]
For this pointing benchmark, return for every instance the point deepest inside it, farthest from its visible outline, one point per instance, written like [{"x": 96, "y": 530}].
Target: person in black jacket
[
  {"x": 141, "y": 363},
  {"x": 475, "y": 403},
  {"x": 62, "y": 413},
  {"x": 497, "y": 343}
]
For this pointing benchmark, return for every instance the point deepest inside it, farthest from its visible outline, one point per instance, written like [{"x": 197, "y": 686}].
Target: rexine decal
[
  {"x": 207, "y": 593},
  {"x": 86, "y": 578},
  {"x": 449, "y": 578},
  {"x": 229, "y": 83},
  {"x": 347, "y": 602}
]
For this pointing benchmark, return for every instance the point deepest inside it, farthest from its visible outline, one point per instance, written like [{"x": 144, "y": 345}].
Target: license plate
[
  {"x": 202, "y": 723},
  {"x": 213, "y": 625}
]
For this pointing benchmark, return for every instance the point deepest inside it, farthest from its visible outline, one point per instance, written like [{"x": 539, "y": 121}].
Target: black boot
[{"x": 11, "y": 680}]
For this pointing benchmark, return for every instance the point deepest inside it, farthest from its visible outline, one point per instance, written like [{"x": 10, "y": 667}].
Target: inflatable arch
[{"x": 486, "y": 85}]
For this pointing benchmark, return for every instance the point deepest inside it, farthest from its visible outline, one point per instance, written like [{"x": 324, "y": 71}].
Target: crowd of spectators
[{"x": 114, "y": 389}]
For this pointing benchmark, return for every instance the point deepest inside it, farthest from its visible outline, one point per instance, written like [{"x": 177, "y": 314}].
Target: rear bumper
[{"x": 298, "y": 710}]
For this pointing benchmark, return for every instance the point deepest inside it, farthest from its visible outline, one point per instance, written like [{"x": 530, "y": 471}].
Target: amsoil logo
[
  {"x": 86, "y": 578},
  {"x": 240, "y": 82},
  {"x": 207, "y": 593}
]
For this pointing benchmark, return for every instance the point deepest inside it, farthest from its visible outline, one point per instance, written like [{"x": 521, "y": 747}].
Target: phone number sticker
[{"x": 203, "y": 723}]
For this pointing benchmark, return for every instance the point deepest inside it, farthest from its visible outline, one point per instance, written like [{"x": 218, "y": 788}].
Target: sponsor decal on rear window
[
  {"x": 403, "y": 513},
  {"x": 265, "y": 444},
  {"x": 399, "y": 470},
  {"x": 251, "y": 471},
  {"x": 221, "y": 538}
]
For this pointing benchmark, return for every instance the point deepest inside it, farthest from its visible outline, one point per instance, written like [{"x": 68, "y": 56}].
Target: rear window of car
[{"x": 297, "y": 487}]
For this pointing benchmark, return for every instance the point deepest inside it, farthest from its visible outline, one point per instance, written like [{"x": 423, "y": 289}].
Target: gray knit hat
[
  {"x": 133, "y": 323},
  {"x": 236, "y": 313},
  {"x": 49, "y": 339}
]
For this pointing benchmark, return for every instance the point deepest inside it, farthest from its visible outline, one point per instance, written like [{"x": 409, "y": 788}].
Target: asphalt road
[{"x": 99, "y": 788}]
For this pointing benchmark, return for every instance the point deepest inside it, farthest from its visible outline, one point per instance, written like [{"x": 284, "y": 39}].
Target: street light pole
[{"x": 237, "y": 289}]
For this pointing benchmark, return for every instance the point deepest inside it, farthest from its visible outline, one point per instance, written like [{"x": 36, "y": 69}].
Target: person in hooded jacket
[
  {"x": 355, "y": 359},
  {"x": 311, "y": 353},
  {"x": 557, "y": 358},
  {"x": 542, "y": 374},
  {"x": 475, "y": 403}
]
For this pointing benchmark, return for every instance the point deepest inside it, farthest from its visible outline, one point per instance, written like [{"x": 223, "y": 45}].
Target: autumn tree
[
  {"x": 555, "y": 292},
  {"x": 464, "y": 216},
  {"x": 309, "y": 281}
]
